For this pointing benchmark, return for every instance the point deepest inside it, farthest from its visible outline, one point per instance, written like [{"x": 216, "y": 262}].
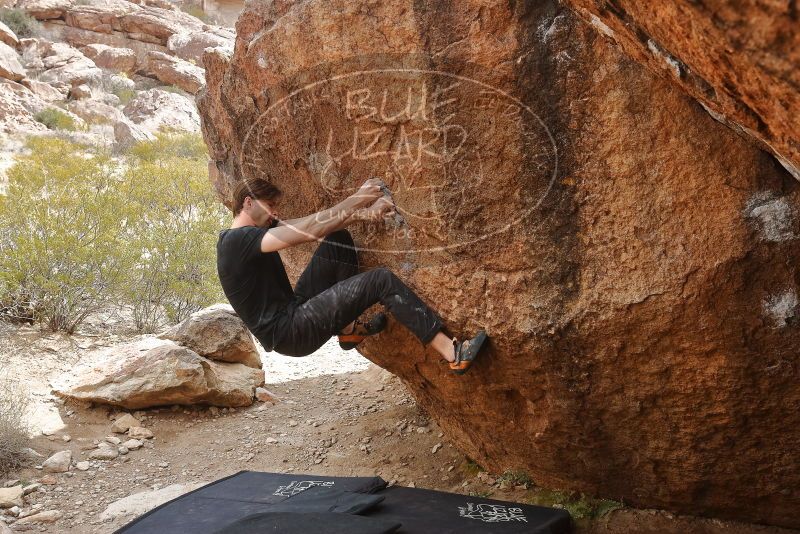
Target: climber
[{"x": 330, "y": 294}]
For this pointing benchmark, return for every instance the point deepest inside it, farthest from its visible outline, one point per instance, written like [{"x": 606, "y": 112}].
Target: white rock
[
  {"x": 140, "y": 503},
  {"x": 104, "y": 452},
  {"x": 139, "y": 433},
  {"x": 82, "y": 466},
  {"x": 124, "y": 422},
  {"x": 58, "y": 463},
  {"x": 10, "y": 497},
  {"x": 132, "y": 444},
  {"x": 50, "y": 516},
  {"x": 10, "y": 67}
]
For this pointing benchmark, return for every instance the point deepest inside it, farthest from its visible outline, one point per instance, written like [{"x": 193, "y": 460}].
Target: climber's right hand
[{"x": 369, "y": 192}]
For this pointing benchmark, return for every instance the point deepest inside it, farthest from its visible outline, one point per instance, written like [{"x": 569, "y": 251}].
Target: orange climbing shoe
[
  {"x": 466, "y": 352},
  {"x": 361, "y": 330}
]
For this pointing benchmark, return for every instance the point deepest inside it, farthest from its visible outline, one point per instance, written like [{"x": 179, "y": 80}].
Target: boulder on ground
[
  {"x": 175, "y": 71},
  {"x": 110, "y": 57},
  {"x": 10, "y": 497},
  {"x": 217, "y": 333},
  {"x": 155, "y": 372},
  {"x": 127, "y": 134},
  {"x": 58, "y": 463},
  {"x": 123, "y": 423}
]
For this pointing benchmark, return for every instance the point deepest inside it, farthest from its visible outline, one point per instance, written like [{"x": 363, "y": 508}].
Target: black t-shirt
[{"x": 255, "y": 282}]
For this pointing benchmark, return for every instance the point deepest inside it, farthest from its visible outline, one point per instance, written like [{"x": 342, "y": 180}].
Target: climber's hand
[
  {"x": 369, "y": 192},
  {"x": 380, "y": 209}
]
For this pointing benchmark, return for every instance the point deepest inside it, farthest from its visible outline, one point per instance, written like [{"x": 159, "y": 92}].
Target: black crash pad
[{"x": 250, "y": 502}]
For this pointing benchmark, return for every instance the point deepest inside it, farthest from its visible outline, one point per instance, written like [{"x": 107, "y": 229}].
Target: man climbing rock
[{"x": 331, "y": 294}]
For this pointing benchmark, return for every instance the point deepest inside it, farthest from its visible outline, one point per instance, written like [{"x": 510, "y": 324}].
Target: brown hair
[{"x": 254, "y": 188}]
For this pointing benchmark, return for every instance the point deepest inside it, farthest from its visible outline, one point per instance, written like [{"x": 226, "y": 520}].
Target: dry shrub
[{"x": 14, "y": 439}]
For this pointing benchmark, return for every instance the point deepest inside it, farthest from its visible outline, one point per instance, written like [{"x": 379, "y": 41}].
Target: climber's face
[{"x": 262, "y": 211}]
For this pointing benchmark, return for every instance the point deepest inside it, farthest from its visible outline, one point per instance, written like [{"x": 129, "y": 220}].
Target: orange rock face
[
  {"x": 633, "y": 260},
  {"x": 741, "y": 60}
]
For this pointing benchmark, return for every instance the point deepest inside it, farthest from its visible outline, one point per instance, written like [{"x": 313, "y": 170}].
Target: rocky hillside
[
  {"x": 633, "y": 259},
  {"x": 119, "y": 70}
]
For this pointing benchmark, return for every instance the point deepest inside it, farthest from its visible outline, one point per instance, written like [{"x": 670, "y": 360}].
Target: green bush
[
  {"x": 82, "y": 230},
  {"x": 22, "y": 24},
  {"x": 61, "y": 251},
  {"x": 55, "y": 119},
  {"x": 176, "y": 224}
]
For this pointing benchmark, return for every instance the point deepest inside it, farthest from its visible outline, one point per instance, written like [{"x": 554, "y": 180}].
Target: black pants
[{"x": 331, "y": 294}]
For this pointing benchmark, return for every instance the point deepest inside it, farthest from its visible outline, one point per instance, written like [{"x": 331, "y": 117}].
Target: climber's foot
[
  {"x": 361, "y": 330},
  {"x": 466, "y": 352}
]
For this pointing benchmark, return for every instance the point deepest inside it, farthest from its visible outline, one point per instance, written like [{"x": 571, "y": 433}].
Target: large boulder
[
  {"x": 61, "y": 65},
  {"x": 154, "y": 372},
  {"x": 8, "y": 36},
  {"x": 618, "y": 244},
  {"x": 216, "y": 333},
  {"x": 157, "y": 109},
  {"x": 10, "y": 67},
  {"x": 191, "y": 45},
  {"x": 175, "y": 71},
  {"x": 110, "y": 57},
  {"x": 740, "y": 61}
]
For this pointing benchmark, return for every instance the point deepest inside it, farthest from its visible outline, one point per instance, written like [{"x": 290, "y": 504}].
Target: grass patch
[
  {"x": 56, "y": 119},
  {"x": 577, "y": 504},
  {"x": 471, "y": 468},
  {"x": 516, "y": 478}
]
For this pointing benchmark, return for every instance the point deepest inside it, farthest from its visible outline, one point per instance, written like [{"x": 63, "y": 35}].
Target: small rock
[
  {"x": 49, "y": 480},
  {"x": 30, "y": 488},
  {"x": 436, "y": 448},
  {"x": 124, "y": 423},
  {"x": 66, "y": 438},
  {"x": 50, "y": 516},
  {"x": 58, "y": 463},
  {"x": 132, "y": 444},
  {"x": 271, "y": 440},
  {"x": 265, "y": 395},
  {"x": 292, "y": 422},
  {"x": 82, "y": 466},
  {"x": 139, "y": 432},
  {"x": 104, "y": 452},
  {"x": 114, "y": 440}
]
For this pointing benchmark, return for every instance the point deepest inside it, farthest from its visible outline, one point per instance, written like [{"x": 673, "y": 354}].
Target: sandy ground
[{"x": 338, "y": 415}]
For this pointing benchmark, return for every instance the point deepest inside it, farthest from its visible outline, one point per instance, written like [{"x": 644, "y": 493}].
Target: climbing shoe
[
  {"x": 361, "y": 330},
  {"x": 466, "y": 352}
]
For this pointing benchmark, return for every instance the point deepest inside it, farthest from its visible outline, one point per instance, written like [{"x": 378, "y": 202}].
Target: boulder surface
[
  {"x": 742, "y": 61},
  {"x": 216, "y": 333},
  {"x": 634, "y": 261},
  {"x": 154, "y": 372}
]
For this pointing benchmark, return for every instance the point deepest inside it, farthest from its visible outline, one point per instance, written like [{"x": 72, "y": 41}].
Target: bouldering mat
[{"x": 273, "y": 502}]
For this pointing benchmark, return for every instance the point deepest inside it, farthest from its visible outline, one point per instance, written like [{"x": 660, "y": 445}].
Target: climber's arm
[{"x": 317, "y": 225}]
